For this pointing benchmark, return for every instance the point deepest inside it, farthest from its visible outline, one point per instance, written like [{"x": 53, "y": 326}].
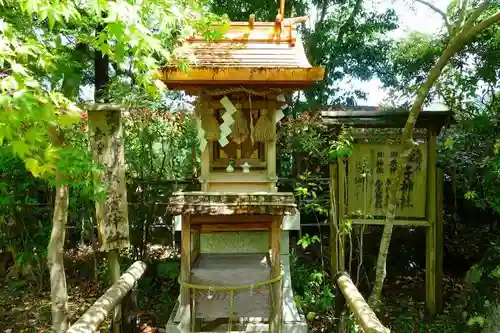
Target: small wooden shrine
[
  {"x": 360, "y": 182},
  {"x": 235, "y": 273}
]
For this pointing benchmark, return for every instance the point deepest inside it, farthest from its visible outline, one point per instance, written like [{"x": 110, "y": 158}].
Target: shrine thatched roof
[{"x": 262, "y": 53}]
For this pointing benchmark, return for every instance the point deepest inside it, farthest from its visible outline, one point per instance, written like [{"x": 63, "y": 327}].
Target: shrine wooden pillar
[
  {"x": 275, "y": 313},
  {"x": 185, "y": 275}
]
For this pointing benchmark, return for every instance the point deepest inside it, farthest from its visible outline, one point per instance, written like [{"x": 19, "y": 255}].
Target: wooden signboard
[
  {"x": 370, "y": 169},
  {"x": 106, "y": 139}
]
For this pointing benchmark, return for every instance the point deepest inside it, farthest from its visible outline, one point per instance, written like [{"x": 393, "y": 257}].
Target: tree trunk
[
  {"x": 455, "y": 45},
  {"x": 59, "y": 293},
  {"x": 55, "y": 250}
]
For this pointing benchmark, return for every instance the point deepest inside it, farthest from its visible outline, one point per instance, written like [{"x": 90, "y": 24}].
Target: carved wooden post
[{"x": 106, "y": 139}]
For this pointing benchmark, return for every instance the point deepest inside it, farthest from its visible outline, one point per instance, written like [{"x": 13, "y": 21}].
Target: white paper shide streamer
[
  {"x": 228, "y": 120},
  {"x": 201, "y": 135},
  {"x": 279, "y": 112}
]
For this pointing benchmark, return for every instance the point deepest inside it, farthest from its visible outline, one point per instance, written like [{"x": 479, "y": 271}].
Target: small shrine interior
[{"x": 235, "y": 273}]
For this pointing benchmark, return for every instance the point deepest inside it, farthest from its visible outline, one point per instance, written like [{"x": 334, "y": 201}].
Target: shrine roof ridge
[{"x": 374, "y": 116}]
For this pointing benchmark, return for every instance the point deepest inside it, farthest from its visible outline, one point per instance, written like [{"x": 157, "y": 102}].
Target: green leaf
[
  {"x": 33, "y": 166},
  {"x": 496, "y": 148},
  {"x": 479, "y": 320},
  {"x": 474, "y": 274},
  {"x": 448, "y": 143},
  {"x": 20, "y": 148},
  {"x": 68, "y": 118},
  {"x": 470, "y": 195}
]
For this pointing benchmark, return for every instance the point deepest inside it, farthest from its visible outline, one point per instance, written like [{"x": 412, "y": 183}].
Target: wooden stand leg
[
  {"x": 185, "y": 306},
  {"x": 275, "y": 315},
  {"x": 430, "y": 268},
  {"x": 439, "y": 241},
  {"x": 334, "y": 265}
]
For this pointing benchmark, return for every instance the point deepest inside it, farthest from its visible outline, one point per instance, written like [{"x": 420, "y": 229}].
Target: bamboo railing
[
  {"x": 364, "y": 315},
  {"x": 121, "y": 293}
]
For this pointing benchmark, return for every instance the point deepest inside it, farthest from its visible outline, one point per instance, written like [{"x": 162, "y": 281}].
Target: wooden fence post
[
  {"x": 339, "y": 306},
  {"x": 129, "y": 311}
]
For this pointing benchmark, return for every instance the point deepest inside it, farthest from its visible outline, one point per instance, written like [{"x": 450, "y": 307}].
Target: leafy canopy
[{"x": 46, "y": 46}]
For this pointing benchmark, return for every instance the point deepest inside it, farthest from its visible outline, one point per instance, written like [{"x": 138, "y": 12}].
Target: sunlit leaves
[
  {"x": 42, "y": 58},
  {"x": 51, "y": 10},
  {"x": 470, "y": 195}
]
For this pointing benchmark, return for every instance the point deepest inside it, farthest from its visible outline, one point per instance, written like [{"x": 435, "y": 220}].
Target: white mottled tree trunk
[{"x": 59, "y": 293}]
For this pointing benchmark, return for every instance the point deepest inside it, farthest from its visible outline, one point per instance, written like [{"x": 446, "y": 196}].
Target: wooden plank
[
  {"x": 234, "y": 227},
  {"x": 185, "y": 274},
  {"x": 206, "y": 219},
  {"x": 90, "y": 321},
  {"x": 275, "y": 312},
  {"x": 439, "y": 240},
  {"x": 341, "y": 176},
  {"x": 236, "y": 75},
  {"x": 407, "y": 223},
  {"x": 430, "y": 279}
]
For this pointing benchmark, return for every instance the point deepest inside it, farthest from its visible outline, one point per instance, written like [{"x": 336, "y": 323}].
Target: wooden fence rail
[
  {"x": 121, "y": 293},
  {"x": 348, "y": 293}
]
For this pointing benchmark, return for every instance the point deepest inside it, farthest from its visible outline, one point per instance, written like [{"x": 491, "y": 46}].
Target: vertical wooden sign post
[{"x": 107, "y": 143}]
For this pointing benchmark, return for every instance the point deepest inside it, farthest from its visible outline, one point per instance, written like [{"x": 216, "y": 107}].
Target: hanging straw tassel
[
  {"x": 239, "y": 129},
  {"x": 210, "y": 125},
  {"x": 264, "y": 128}
]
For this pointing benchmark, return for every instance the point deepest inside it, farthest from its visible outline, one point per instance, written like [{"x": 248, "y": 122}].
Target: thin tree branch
[
  {"x": 453, "y": 47},
  {"x": 475, "y": 14},
  {"x": 484, "y": 24},
  {"x": 463, "y": 12},
  {"x": 440, "y": 12},
  {"x": 324, "y": 9},
  {"x": 343, "y": 29}
]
